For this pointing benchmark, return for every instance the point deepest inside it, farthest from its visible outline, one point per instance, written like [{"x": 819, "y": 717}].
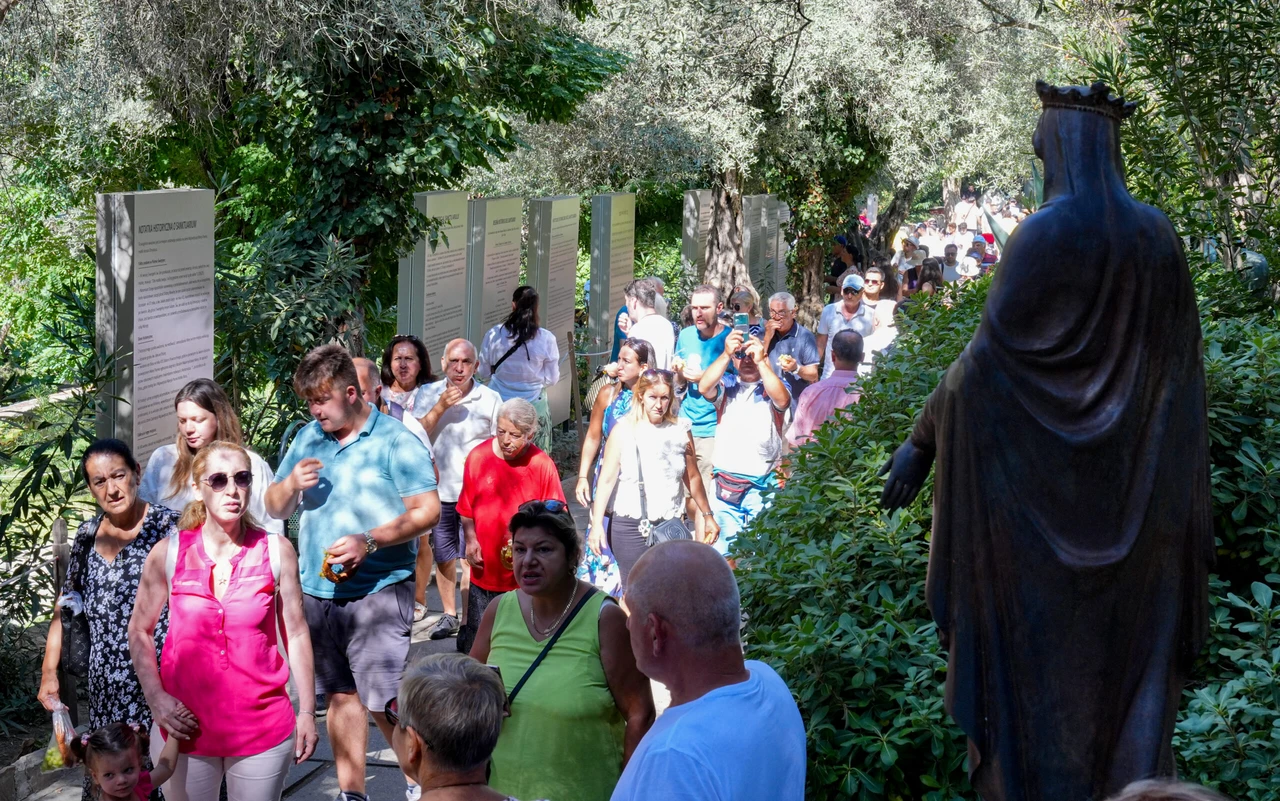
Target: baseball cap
[
  {"x": 841, "y": 239},
  {"x": 852, "y": 281},
  {"x": 979, "y": 238}
]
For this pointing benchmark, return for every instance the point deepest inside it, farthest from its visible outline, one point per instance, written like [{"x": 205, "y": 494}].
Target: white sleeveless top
[{"x": 662, "y": 451}]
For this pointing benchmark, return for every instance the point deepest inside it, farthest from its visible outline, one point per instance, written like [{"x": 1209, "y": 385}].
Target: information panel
[
  {"x": 553, "y": 265},
  {"x": 155, "y": 285},
  {"x": 753, "y": 236},
  {"x": 493, "y": 262},
  {"x": 613, "y": 245},
  {"x": 770, "y": 283},
  {"x": 693, "y": 238},
  {"x": 433, "y": 281}
]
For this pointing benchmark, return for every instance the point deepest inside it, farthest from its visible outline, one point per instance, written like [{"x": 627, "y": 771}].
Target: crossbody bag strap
[
  {"x": 507, "y": 355},
  {"x": 171, "y": 558},
  {"x": 511, "y": 699},
  {"x": 644, "y": 509}
]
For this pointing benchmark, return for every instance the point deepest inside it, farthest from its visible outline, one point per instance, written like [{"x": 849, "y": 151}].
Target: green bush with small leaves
[{"x": 835, "y": 588}]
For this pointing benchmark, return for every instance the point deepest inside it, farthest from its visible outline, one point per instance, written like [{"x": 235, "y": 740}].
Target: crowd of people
[{"x": 196, "y": 613}]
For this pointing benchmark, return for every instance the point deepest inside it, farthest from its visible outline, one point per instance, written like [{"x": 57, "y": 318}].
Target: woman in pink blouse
[{"x": 220, "y": 687}]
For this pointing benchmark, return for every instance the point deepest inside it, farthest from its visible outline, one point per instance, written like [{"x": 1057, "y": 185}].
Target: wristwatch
[{"x": 370, "y": 544}]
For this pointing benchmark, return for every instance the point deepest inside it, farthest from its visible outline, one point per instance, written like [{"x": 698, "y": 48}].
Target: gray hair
[
  {"x": 788, "y": 299},
  {"x": 521, "y": 414},
  {"x": 1166, "y": 790},
  {"x": 456, "y": 704}
]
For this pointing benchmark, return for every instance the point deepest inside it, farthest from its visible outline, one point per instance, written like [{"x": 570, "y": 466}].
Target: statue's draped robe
[{"x": 1072, "y": 530}]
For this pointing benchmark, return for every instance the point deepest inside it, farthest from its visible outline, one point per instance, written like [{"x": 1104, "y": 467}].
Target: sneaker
[
  {"x": 350, "y": 795},
  {"x": 446, "y": 626},
  {"x": 412, "y": 792}
]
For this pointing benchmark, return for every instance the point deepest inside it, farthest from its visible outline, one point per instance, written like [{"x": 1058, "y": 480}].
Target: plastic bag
[{"x": 58, "y": 754}]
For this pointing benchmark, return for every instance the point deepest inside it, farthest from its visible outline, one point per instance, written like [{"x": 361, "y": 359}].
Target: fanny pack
[{"x": 731, "y": 489}]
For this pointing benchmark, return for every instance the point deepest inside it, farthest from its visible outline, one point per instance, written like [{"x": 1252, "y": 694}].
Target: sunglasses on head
[
  {"x": 551, "y": 506},
  {"x": 654, "y": 372},
  {"x": 218, "y": 481}
]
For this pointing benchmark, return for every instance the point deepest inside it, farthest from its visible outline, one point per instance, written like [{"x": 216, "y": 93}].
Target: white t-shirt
[
  {"x": 463, "y": 426},
  {"x": 950, "y": 272},
  {"x": 833, "y": 322},
  {"x": 747, "y": 438},
  {"x": 410, "y": 422},
  {"x": 743, "y": 742},
  {"x": 657, "y": 331},
  {"x": 155, "y": 486},
  {"x": 534, "y": 366},
  {"x": 662, "y": 455}
]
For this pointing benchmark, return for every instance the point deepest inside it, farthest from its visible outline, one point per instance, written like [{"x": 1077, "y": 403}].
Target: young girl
[{"x": 112, "y": 757}]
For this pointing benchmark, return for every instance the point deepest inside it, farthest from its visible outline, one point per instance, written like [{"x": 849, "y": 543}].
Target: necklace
[{"x": 533, "y": 620}]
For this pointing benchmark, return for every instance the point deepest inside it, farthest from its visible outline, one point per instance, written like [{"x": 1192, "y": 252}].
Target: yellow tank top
[{"x": 564, "y": 738}]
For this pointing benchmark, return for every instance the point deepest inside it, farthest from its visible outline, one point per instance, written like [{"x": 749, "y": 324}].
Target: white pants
[{"x": 259, "y": 777}]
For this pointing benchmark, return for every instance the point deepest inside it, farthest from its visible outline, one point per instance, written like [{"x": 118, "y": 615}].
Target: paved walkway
[{"x": 317, "y": 778}]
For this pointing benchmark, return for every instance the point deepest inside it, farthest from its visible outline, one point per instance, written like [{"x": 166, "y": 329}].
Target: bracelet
[{"x": 310, "y": 712}]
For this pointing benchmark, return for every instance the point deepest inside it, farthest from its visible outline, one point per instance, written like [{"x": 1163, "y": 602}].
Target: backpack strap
[{"x": 395, "y": 410}]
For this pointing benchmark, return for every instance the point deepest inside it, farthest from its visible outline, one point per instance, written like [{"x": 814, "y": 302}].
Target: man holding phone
[{"x": 696, "y": 348}]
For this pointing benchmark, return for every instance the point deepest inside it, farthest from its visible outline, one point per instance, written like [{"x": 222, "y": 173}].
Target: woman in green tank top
[{"x": 583, "y": 710}]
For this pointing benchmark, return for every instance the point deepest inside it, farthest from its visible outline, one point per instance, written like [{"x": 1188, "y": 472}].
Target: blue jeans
[{"x": 732, "y": 518}]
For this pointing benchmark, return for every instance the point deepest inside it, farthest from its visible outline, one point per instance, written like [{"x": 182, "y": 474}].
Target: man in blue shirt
[
  {"x": 793, "y": 351},
  {"x": 366, "y": 489},
  {"x": 696, "y": 348},
  {"x": 733, "y": 731}
]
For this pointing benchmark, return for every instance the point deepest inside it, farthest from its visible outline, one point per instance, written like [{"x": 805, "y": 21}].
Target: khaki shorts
[{"x": 704, "y": 448}]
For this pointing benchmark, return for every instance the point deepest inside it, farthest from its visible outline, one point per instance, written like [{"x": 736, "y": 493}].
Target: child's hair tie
[
  {"x": 135, "y": 727},
  {"x": 84, "y": 739}
]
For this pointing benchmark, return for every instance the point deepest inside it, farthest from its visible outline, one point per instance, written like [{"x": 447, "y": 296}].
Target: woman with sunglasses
[
  {"x": 650, "y": 452},
  {"x": 223, "y": 690},
  {"x": 204, "y": 414},
  {"x": 406, "y": 369},
  {"x": 581, "y": 711},
  {"x": 613, "y": 403},
  {"x": 500, "y": 474},
  {"x": 107, "y": 555}
]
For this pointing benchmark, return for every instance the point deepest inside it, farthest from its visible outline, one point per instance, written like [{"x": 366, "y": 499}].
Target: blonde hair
[
  {"x": 194, "y": 514},
  {"x": 652, "y": 378},
  {"x": 208, "y": 396}
]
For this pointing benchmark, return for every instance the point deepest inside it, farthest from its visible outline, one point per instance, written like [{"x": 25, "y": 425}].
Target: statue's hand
[{"x": 907, "y": 469}]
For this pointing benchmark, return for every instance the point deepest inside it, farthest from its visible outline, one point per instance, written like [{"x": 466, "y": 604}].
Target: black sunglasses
[
  {"x": 218, "y": 481},
  {"x": 551, "y": 506}
]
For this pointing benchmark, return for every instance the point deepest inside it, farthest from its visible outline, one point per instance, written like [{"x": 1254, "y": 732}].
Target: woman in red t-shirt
[{"x": 500, "y": 474}]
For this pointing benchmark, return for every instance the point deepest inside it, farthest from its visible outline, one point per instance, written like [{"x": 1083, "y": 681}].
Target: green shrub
[{"x": 835, "y": 588}]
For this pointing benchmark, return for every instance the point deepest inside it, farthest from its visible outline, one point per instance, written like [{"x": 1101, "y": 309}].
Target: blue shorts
[{"x": 448, "y": 541}]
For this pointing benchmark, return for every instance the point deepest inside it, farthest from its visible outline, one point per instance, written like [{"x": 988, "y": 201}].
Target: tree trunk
[
  {"x": 811, "y": 255},
  {"x": 892, "y": 216},
  {"x": 950, "y": 197},
  {"x": 726, "y": 266}
]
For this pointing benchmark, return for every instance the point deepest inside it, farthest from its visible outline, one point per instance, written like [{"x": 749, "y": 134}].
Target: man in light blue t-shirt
[
  {"x": 696, "y": 348},
  {"x": 733, "y": 731},
  {"x": 366, "y": 490}
]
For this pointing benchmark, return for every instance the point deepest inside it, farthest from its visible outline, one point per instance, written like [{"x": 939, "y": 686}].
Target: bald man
[
  {"x": 460, "y": 414},
  {"x": 733, "y": 730}
]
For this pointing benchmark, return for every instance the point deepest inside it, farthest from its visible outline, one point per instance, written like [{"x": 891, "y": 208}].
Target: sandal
[{"x": 419, "y": 612}]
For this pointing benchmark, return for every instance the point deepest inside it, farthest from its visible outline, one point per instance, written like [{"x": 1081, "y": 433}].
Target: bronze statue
[{"x": 1072, "y": 530}]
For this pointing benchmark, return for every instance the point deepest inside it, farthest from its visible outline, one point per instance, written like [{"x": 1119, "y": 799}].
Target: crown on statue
[{"x": 1096, "y": 98}]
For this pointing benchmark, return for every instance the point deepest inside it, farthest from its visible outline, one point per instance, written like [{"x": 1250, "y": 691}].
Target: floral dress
[
  {"x": 109, "y": 590},
  {"x": 602, "y": 570}
]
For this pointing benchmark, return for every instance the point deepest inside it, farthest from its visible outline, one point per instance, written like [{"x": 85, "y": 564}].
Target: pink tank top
[{"x": 221, "y": 657}]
